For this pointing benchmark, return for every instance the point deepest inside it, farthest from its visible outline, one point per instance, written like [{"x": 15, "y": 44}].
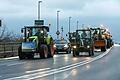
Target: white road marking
[
  {"x": 17, "y": 63},
  {"x": 55, "y": 56},
  {"x": 38, "y": 70},
  {"x": 9, "y": 58},
  {"x": 117, "y": 45},
  {"x": 62, "y": 69}
]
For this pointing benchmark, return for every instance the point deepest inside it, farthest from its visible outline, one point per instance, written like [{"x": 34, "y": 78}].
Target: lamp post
[
  {"x": 39, "y": 9},
  {"x": 69, "y": 26},
  {"x": 69, "y": 23},
  {"x": 58, "y": 25},
  {"x": 62, "y": 32},
  {"x": 77, "y": 24}
]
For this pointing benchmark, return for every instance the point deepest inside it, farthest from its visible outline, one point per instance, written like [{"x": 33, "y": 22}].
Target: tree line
[{"x": 9, "y": 36}]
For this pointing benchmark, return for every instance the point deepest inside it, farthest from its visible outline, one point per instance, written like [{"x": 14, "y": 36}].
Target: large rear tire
[
  {"x": 43, "y": 51},
  {"x": 52, "y": 51}
]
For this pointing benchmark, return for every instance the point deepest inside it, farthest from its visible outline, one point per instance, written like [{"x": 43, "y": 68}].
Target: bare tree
[
  {"x": 2, "y": 32},
  {"x": 6, "y": 35}
]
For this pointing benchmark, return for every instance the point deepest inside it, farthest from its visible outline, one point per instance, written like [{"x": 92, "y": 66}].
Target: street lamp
[
  {"x": 39, "y": 9},
  {"x": 58, "y": 25},
  {"x": 69, "y": 23},
  {"x": 77, "y": 24},
  {"x": 69, "y": 26},
  {"x": 62, "y": 32}
]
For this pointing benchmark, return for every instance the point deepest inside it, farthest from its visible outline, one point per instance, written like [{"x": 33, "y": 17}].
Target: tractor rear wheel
[
  {"x": 44, "y": 51},
  {"x": 52, "y": 51}
]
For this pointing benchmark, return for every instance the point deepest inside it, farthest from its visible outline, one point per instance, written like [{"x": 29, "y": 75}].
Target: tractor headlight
[
  {"x": 74, "y": 47},
  {"x": 88, "y": 46},
  {"x": 66, "y": 46},
  {"x": 54, "y": 46},
  {"x": 41, "y": 32}
]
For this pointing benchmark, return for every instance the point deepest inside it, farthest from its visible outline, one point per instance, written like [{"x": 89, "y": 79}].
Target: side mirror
[
  {"x": 47, "y": 28},
  {"x": 22, "y": 30},
  {"x": 66, "y": 35}
]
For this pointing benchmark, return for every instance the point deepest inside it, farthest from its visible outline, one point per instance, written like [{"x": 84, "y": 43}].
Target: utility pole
[
  {"x": 58, "y": 32},
  {"x": 62, "y": 32},
  {"x": 69, "y": 26},
  {"x": 39, "y": 9},
  {"x": 39, "y": 21},
  {"x": 77, "y": 24}
]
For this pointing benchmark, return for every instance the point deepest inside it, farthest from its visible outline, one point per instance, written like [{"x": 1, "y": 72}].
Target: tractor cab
[
  {"x": 83, "y": 43},
  {"x": 31, "y": 33}
]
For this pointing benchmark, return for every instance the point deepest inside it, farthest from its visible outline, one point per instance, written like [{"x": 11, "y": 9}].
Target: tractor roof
[{"x": 37, "y": 26}]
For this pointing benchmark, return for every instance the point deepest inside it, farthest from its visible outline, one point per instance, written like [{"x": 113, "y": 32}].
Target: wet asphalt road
[{"x": 64, "y": 67}]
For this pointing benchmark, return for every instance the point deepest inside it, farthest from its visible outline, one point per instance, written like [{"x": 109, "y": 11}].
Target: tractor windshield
[
  {"x": 83, "y": 34},
  {"x": 36, "y": 31},
  {"x": 83, "y": 37}
]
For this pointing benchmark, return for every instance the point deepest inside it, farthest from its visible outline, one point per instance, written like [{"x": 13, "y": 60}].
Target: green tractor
[
  {"x": 36, "y": 41},
  {"x": 82, "y": 42}
]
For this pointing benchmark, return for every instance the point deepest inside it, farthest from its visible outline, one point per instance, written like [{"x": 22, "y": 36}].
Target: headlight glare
[
  {"x": 75, "y": 47},
  {"x": 88, "y": 46},
  {"x": 66, "y": 45},
  {"x": 54, "y": 46}
]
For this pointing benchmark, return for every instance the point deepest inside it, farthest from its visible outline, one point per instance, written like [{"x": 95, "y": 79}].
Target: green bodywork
[{"x": 34, "y": 39}]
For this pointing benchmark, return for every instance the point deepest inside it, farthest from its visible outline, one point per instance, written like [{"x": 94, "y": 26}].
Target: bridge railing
[{"x": 8, "y": 49}]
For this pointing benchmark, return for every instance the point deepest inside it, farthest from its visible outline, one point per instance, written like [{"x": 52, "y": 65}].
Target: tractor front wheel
[
  {"x": 103, "y": 48},
  {"x": 20, "y": 53},
  {"x": 75, "y": 53}
]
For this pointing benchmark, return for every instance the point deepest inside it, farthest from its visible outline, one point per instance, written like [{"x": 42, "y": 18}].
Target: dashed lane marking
[
  {"x": 13, "y": 64},
  {"x": 38, "y": 70}
]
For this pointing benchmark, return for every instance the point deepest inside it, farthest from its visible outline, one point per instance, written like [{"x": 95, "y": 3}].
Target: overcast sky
[{"x": 18, "y": 13}]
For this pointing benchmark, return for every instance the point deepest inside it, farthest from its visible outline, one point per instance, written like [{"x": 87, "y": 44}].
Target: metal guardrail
[{"x": 8, "y": 49}]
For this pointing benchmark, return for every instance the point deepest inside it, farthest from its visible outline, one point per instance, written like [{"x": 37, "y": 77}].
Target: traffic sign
[
  {"x": 57, "y": 32},
  {"x": 39, "y": 22}
]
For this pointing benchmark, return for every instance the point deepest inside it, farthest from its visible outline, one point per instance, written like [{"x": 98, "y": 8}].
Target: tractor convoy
[
  {"x": 89, "y": 39},
  {"x": 37, "y": 40}
]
